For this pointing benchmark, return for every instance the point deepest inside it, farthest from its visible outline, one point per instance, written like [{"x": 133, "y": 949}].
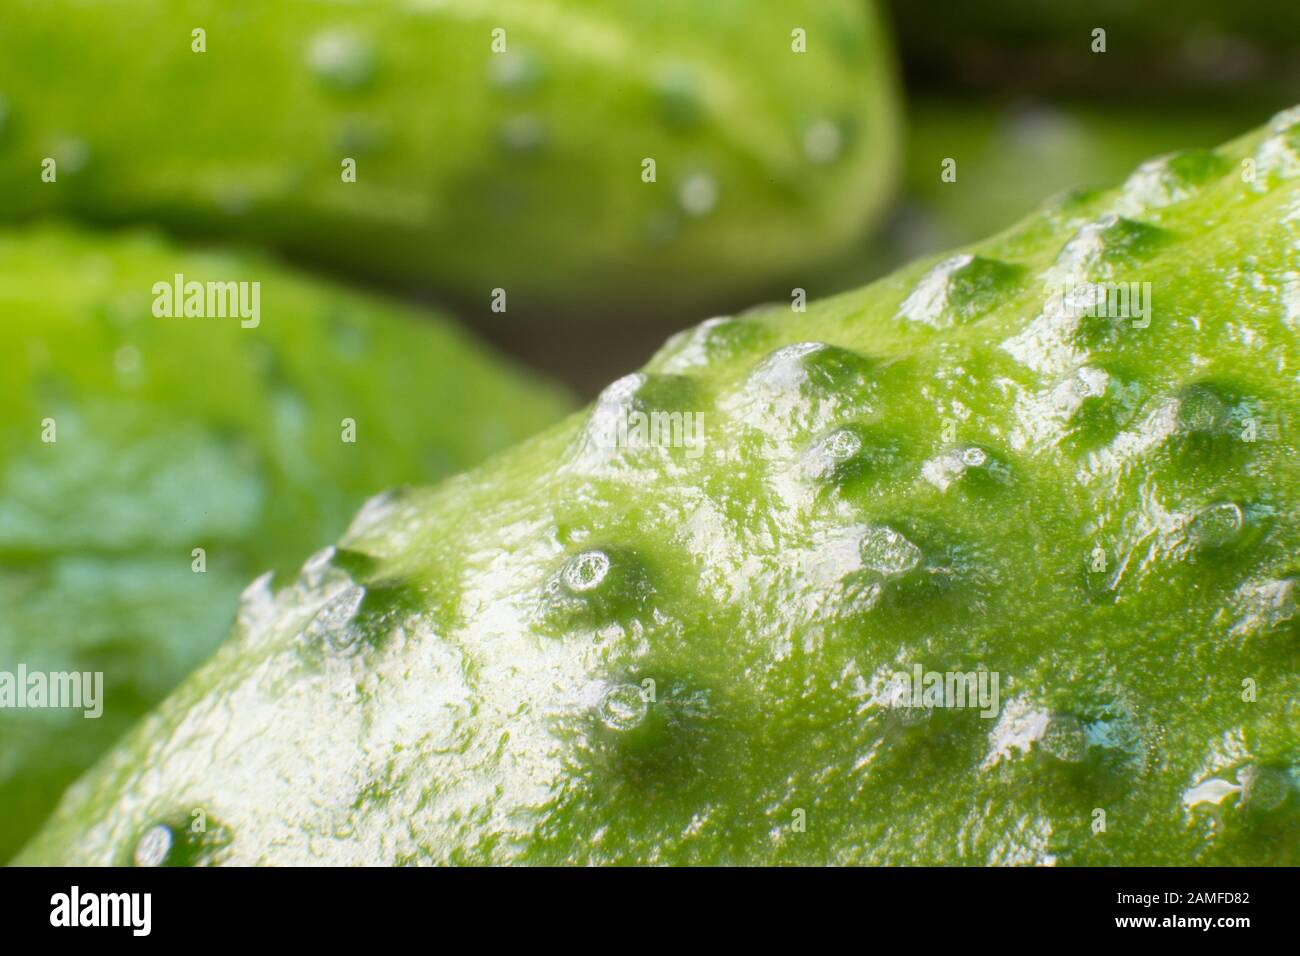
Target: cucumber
[
  {"x": 983, "y": 563},
  {"x": 483, "y": 160},
  {"x": 1008, "y": 156},
  {"x": 128, "y": 440}
]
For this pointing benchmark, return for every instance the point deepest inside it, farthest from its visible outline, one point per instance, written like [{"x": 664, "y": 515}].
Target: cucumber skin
[
  {"x": 1009, "y": 157},
  {"x": 475, "y": 648},
  {"x": 178, "y": 433},
  {"x": 247, "y": 139}
]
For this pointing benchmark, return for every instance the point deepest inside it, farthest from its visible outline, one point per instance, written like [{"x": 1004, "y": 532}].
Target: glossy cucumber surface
[{"x": 990, "y": 562}]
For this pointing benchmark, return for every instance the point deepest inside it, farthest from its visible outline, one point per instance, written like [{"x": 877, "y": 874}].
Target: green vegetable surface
[
  {"x": 1009, "y": 155},
  {"x": 129, "y": 440},
  {"x": 604, "y": 648},
  {"x": 484, "y": 160}
]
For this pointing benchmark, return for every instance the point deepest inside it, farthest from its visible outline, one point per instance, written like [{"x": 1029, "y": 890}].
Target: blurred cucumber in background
[
  {"x": 128, "y": 440},
  {"x": 497, "y": 144}
]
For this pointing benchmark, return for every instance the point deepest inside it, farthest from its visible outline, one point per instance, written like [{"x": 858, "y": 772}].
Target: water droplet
[
  {"x": 342, "y": 61},
  {"x": 585, "y": 572},
  {"x": 326, "y": 586},
  {"x": 623, "y": 707},
  {"x": 1264, "y": 789},
  {"x": 889, "y": 553},
  {"x": 1065, "y": 738},
  {"x": 1216, "y": 526},
  {"x": 127, "y": 361},
  {"x": 331, "y": 624},
  {"x": 514, "y": 72},
  {"x": 848, "y": 453},
  {"x": 951, "y": 464},
  {"x": 827, "y": 456},
  {"x": 841, "y": 444},
  {"x": 697, "y": 194},
  {"x": 153, "y": 847},
  {"x": 72, "y": 155},
  {"x": 594, "y": 588},
  {"x": 1258, "y": 790},
  {"x": 521, "y": 134},
  {"x": 822, "y": 142}
]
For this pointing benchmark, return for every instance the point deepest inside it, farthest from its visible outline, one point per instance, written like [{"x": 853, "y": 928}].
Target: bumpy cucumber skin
[
  {"x": 182, "y": 433},
  {"x": 456, "y": 682},
  {"x": 1010, "y": 156},
  {"x": 475, "y": 170}
]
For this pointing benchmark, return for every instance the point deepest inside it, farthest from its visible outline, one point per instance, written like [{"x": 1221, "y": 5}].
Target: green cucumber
[
  {"x": 129, "y": 440},
  {"x": 744, "y": 637},
  {"x": 483, "y": 160},
  {"x": 1007, "y": 157}
]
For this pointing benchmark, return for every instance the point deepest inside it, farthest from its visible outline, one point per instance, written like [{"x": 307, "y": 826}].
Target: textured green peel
[
  {"x": 129, "y": 440},
  {"x": 703, "y": 652},
  {"x": 498, "y": 144}
]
